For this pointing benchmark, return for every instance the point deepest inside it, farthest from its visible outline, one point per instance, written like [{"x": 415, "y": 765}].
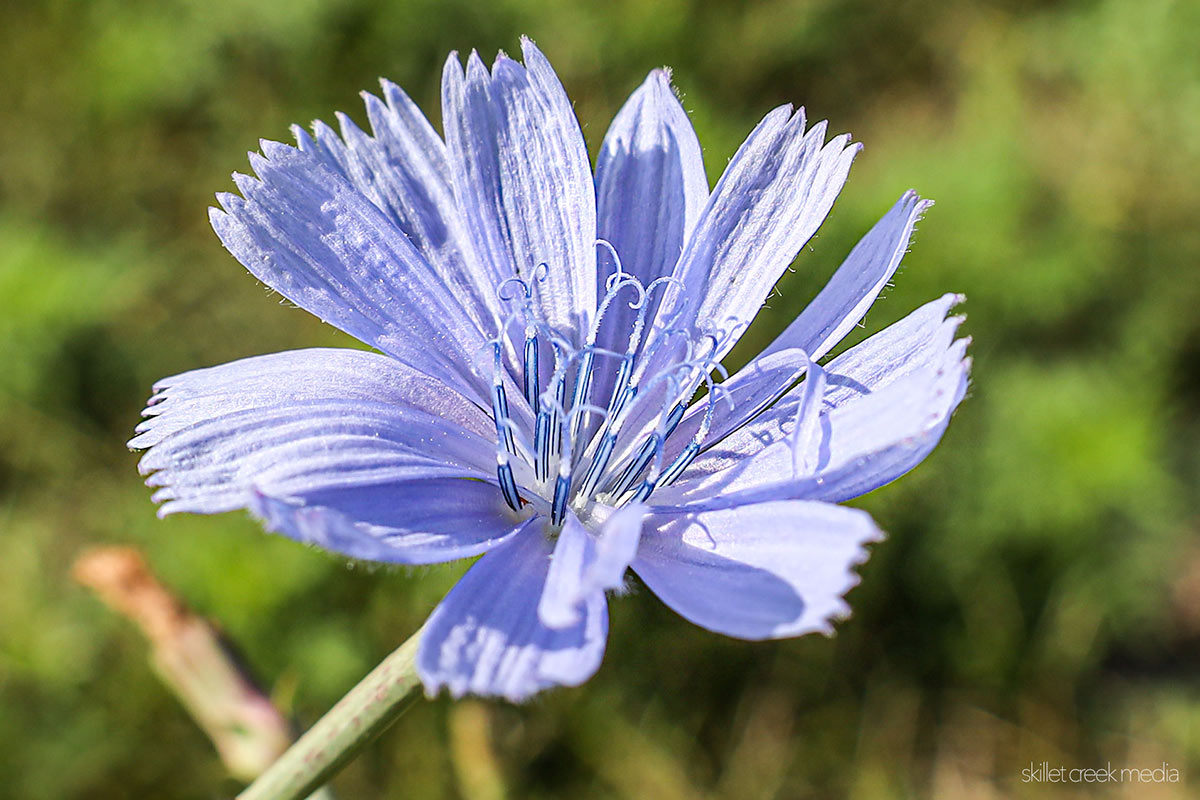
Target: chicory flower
[{"x": 541, "y": 332}]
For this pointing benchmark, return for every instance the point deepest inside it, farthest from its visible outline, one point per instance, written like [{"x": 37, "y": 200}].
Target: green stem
[{"x": 364, "y": 713}]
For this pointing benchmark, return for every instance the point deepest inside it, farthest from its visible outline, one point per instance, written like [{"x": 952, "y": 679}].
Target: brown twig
[{"x": 190, "y": 656}]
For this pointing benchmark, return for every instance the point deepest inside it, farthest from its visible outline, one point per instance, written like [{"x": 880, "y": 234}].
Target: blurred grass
[{"x": 1039, "y": 597}]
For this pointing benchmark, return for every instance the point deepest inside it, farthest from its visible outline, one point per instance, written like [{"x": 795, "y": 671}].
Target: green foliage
[{"x": 1038, "y": 597}]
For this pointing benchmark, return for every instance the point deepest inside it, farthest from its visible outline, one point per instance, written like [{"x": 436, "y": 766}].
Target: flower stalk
[{"x": 358, "y": 718}]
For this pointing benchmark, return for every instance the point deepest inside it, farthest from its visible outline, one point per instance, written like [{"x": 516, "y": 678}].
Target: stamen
[
  {"x": 613, "y": 425},
  {"x": 562, "y": 486},
  {"x": 643, "y": 491},
  {"x": 620, "y": 476},
  {"x": 500, "y": 404},
  {"x": 681, "y": 462},
  {"x": 583, "y": 385},
  {"x": 621, "y": 402},
  {"x": 616, "y": 282},
  {"x": 508, "y": 484},
  {"x": 716, "y": 393},
  {"x": 541, "y": 447},
  {"x": 560, "y": 394},
  {"x": 504, "y": 435},
  {"x": 623, "y": 390},
  {"x": 558, "y": 509},
  {"x": 607, "y": 436},
  {"x": 619, "y": 273},
  {"x": 548, "y": 425},
  {"x": 658, "y": 439},
  {"x": 621, "y": 393},
  {"x": 531, "y": 366},
  {"x": 635, "y": 467},
  {"x": 591, "y": 477},
  {"x": 674, "y": 418},
  {"x": 651, "y": 448}
]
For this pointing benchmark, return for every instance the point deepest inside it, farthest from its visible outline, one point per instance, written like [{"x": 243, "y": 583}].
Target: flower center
[{"x": 602, "y": 416}]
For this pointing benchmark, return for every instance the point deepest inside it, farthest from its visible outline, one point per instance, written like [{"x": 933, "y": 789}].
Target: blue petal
[
  {"x": 213, "y": 466},
  {"x": 583, "y": 565},
  {"x": 416, "y": 521},
  {"x": 774, "y": 194},
  {"x": 301, "y": 422},
  {"x": 853, "y": 288},
  {"x": 762, "y": 571},
  {"x": 919, "y": 341},
  {"x": 616, "y": 547},
  {"x": 486, "y": 637},
  {"x": 523, "y": 179},
  {"x": 574, "y": 551},
  {"x": 887, "y": 403},
  {"x": 403, "y": 170},
  {"x": 836, "y": 310},
  {"x": 806, "y": 449},
  {"x": 306, "y": 232},
  {"x": 650, "y": 189},
  {"x": 298, "y": 376}
]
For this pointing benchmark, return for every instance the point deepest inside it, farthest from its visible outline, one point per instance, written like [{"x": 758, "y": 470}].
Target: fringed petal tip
[
  {"x": 661, "y": 78},
  {"x": 337, "y": 426},
  {"x": 530, "y": 50},
  {"x": 761, "y": 571},
  {"x": 870, "y": 534},
  {"x": 840, "y": 610},
  {"x": 912, "y": 199},
  {"x": 774, "y": 195}
]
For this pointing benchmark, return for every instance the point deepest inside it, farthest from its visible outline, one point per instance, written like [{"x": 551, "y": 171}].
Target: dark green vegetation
[{"x": 1038, "y": 598}]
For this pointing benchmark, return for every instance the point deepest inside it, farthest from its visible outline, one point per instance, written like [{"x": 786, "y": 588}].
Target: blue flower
[{"x": 541, "y": 332}]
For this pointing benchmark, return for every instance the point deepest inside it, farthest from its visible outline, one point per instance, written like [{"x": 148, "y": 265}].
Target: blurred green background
[{"x": 1038, "y": 598}]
